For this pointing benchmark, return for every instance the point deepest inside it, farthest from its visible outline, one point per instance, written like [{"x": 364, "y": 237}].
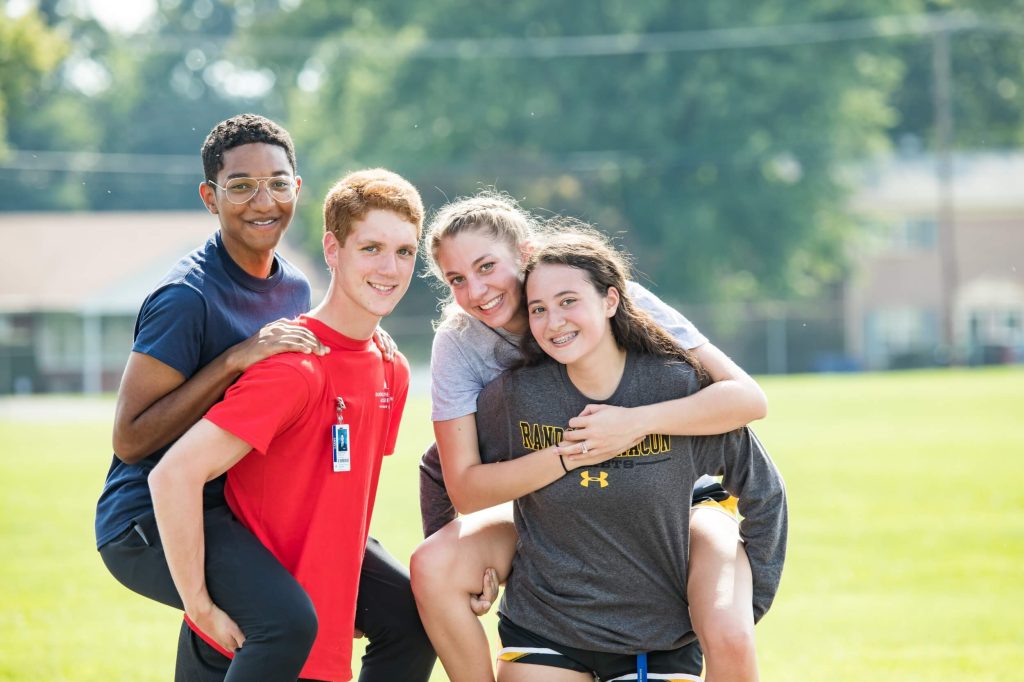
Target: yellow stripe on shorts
[
  {"x": 513, "y": 653},
  {"x": 726, "y": 506}
]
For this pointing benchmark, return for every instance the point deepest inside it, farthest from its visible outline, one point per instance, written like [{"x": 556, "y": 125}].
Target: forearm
[
  {"x": 480, "y": 486},
  {"x": 176, "y": 484},
  {"x": 177, "y": 501},
  {"x": 719, "y": 408},
  {"x": 171, "y": 415}
]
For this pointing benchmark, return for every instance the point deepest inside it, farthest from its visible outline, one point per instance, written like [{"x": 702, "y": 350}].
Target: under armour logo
[{"x": 587, "y": 479}]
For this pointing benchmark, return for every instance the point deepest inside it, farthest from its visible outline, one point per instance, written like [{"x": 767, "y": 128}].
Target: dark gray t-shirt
[{"x": 602, "y": 557}]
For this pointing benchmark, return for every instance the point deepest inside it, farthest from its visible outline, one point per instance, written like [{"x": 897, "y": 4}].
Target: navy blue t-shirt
[{"x": 206, "y": 304}]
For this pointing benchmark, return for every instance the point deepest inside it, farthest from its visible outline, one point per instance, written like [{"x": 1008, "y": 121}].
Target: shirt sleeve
[
  {"x": 171, "y": 327},
  {"x": 252, "y": 408},
  {"x": 674, "y": 322},
  {"x": 492, "y": 425},
  {"x": 436, "y": 508},
  {"x": 750, "y": 475},
  {"x": 399, "y": 396},
  {"x": 454, "y": 385}
]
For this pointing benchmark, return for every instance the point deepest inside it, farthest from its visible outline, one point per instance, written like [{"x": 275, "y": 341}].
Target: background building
[
  {"x": 68, "y": 300},
  {"x": 72, "y": 285},
  {"x": 894, "y": 299}
]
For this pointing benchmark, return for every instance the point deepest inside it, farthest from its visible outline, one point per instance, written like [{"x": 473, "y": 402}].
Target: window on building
[
  {"x": 901, "y": 336},
  {"x": 117, "y": 340},
  {"x": 915, "y": 234},
  {"x": 60, "y": 342},
  {"x": 997, "y": 326}
]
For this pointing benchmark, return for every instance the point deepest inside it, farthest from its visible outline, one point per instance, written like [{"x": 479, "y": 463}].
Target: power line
[
  {"x": 101, "y": 162},
  {"x": 551, "y": 47},
  {"x": 410, "y": 47},
  {"x": 583, "y": 162}
]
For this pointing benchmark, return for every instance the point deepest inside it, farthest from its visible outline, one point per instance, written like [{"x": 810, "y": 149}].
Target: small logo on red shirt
[{"x": 384, "y": 397}]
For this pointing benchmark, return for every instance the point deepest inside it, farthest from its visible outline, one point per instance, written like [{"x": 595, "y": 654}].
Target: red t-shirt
[{"x": 314, "y": 520}]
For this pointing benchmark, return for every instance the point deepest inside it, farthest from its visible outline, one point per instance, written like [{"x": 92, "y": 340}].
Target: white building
[{"x": 72, "y": 283}]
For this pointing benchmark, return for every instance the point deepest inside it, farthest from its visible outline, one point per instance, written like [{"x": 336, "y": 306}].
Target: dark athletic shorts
[{"x": 519, "y": 645}]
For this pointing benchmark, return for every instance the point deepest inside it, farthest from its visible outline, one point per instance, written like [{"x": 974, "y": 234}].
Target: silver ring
[{"x": 583, "y": 446}]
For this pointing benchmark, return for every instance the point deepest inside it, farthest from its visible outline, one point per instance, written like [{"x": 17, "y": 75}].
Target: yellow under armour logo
[{"x": 587, "y": 479}]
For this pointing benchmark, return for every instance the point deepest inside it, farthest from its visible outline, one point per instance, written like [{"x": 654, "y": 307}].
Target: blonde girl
[{"x": 477, "y": 247}]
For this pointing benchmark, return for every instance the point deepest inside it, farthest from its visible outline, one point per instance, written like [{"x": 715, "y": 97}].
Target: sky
[
  {"x": 115, "y": 15},
  {"x": 119, "y": 15}
]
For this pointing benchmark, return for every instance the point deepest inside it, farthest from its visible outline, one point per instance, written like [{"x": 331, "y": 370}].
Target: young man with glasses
[{"x": 211, "y": 318}]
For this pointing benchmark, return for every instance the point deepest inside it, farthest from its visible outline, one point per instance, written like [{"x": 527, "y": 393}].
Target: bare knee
[
  {"x": 730, "y": 654},
  {"x": 728, "y": 639},
  {"x": 720, "y": 591},
  {"x": 432, "y": 563}
]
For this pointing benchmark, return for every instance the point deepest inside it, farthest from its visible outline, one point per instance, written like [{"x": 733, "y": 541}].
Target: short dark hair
[{"x": 239, "y": 130}]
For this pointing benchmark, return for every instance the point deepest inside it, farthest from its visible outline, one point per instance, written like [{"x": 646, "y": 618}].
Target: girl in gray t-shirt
[
  {"x": 602, "y": 554},
  {"x": 476, "y": 247}
]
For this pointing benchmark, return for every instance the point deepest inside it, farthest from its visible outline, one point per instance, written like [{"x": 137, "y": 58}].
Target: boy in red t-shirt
[{"x": 302, "y": 436}]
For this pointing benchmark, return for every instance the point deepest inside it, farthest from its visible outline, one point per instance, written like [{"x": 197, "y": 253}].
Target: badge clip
[{"x": 341, "y": 458}]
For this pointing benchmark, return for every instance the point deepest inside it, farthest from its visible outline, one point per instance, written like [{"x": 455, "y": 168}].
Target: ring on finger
[{"x": 583, "y": 447}]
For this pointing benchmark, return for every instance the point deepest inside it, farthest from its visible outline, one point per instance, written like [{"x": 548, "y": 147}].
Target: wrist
[
  {"x": 561, "y": 460},
  {"x": 234, "y": 359},
  {"x": 641, "y": 419},
  {"x": 200, "y": 607}
]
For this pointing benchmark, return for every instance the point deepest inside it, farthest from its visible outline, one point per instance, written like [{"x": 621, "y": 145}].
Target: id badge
[{"x": 342, "y": 459}]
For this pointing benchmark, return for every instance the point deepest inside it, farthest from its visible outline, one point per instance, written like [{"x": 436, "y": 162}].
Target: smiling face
[
  {"x": 484, "y": 275},
  {"x": 371, "y": 271},
  {"x": 252, "y": 230},
  {"x": 568, "y": 317}
]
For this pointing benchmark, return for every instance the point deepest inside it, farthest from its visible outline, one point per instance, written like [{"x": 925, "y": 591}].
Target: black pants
[{"x": 271, "y": 608}]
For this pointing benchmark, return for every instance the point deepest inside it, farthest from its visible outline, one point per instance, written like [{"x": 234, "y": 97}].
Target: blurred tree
[
  {"x": 124, "y": 121},
  {"x": 987, "y": 78},
  {"x": 719, "y": 163},
  {"x": 717, "y": 149},
  {"x": 29, "y": 52}
]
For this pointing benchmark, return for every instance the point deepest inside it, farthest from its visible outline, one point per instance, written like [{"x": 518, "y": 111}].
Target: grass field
[{"x": 905, "y": 560}]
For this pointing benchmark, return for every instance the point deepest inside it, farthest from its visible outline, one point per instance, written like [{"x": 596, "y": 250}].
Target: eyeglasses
[{"x": 241, "y": 190}]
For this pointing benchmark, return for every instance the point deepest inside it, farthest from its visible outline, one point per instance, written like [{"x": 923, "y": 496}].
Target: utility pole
[{"x": 945, "y": 214}]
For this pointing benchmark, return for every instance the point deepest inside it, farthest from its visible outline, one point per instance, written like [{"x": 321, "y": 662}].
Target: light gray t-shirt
[
  {"x": 467, "y": 355},
  {"x": 601, "y": 562}
]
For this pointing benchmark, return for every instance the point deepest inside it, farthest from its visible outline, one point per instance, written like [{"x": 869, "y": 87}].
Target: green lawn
[{"x": 906, "y": 535}]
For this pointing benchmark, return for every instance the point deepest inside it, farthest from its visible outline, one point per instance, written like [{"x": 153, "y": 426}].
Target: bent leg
[
  {"x": 447, "y": 570},
  {"x": 244, "y": 579},
  {"x": 268, "y": 604},
  {"x": 398, "y": 647},
  {"x": 720, "y": 593},
  {"x": 136, "y": 559}
]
